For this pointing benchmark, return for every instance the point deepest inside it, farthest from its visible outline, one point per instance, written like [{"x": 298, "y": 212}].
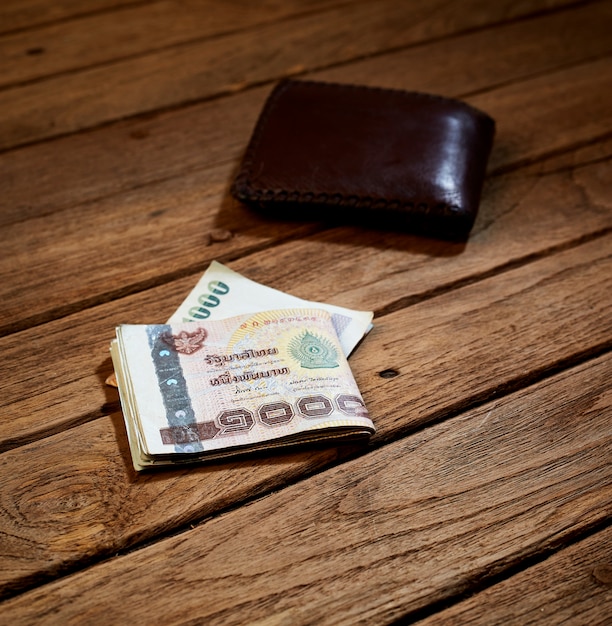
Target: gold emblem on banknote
[{"x": 313, "y": 352}]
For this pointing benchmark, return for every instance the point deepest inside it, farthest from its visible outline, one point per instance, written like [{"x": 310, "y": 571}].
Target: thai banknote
[
  {"x": 214, "y": 388},
  {"x": 221, "y": 292}
]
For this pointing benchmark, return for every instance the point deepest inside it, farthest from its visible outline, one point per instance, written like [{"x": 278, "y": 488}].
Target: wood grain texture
[
  {"x": 573, "y": 586},
  {"x": 543, "y": 100},
  {"x": 128, "y": 155},
  {"x": 98, "y": 255},
  {"x": 48, "y": 251},
  {"x": 379, "y": 537},
  {"x": 497, "y": 333},
  {"x": 448, "y": 352},
  {"x": 480, "y": 60},
  {"x": 22, "y": 14},
  {"x": 485, "y": 495},
  {"x": 113, "y": 36},
  {"x": 82, "y": 499},
  {"x": 178, "y": 75},
  {"x": 520, "y": 219}
]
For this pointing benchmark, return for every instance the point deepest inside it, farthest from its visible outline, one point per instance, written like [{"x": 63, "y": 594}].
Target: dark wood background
[{"x": 485, "y": 496}]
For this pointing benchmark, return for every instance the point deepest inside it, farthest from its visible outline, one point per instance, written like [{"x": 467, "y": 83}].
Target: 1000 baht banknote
[
  {"x": 209, "y": 389},
  {"x": 221, "y": 292}
]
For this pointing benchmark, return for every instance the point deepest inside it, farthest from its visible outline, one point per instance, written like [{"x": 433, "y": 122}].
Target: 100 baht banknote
[{"x": 209, "y": 389}]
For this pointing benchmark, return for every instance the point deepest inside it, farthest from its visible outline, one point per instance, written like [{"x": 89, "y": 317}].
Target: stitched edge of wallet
[{"x": 243, "y": 189}]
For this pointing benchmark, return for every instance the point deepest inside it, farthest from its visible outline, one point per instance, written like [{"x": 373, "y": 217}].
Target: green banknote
[{"x": 208, "y": 389}]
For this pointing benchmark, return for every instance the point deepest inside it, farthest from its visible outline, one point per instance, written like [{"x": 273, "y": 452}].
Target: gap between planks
[
  {"x": 511, "y": 149},
  {"x": 170, "y": 129},
  {"x": 126, "y": 37},
  {"x": 432, "y": 77},
  {"x": 454, "y": 358},
  {"x": 470, "y": 492},
  {"x": 569, "y": 585},
  {"x": 132, "y": 92},
  {"x": 47, "y": 13},
  {"x": 376, "y": 267}
]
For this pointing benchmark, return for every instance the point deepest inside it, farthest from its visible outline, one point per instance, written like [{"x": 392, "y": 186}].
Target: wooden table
[{"x": 485, "y": 496}]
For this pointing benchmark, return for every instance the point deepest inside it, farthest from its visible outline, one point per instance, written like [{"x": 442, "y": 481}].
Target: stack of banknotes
[{"x": 238, "y": 368}]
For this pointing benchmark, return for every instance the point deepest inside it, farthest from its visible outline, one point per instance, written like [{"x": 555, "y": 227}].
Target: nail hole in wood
[{"x": 388, "y": 373}]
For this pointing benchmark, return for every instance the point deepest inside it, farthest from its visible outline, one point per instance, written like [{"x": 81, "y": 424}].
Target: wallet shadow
[{"x": 349, "y": 229}]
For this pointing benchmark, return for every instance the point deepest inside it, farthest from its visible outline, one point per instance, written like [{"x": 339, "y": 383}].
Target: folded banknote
[
  {"x": 209, "y": 389},
  {"x": 221, "y": 292}
]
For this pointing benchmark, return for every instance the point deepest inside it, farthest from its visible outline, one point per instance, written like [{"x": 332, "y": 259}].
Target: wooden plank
[
  {"x": 448, "y": 353},
  {"x": 47, "y": 253},
  {"x": 515, "y": 314},
  {"x": 91, "y": 503},
  {"x": 20, "y": 14},
  {"x": 377, "y": 538},
  {"x": 566, "y": 37},
  {"x": 570, "y": 587},
  {"x": 451, "y": 497},
  {"x": 94, "y": 257},
  {"x": 99, "y": 163},
  {"x": 520, "y": 219},
  {"x": 561, "y": 104},
  {"x": 79, "y": 100},
  {"x": 126, "y": 156},
  {"x": 111, "y": 36},
  {"x": 597, "y": 151}
]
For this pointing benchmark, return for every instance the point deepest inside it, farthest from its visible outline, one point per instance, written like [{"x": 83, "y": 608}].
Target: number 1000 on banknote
[{"x": 210, "y": 389}]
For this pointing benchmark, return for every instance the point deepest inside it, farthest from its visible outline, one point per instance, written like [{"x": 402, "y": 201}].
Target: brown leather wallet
[{"x": 383, "y": 157}]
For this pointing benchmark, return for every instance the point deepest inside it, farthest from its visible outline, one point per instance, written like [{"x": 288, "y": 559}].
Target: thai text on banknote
[{"x": 238, "y": 381}]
